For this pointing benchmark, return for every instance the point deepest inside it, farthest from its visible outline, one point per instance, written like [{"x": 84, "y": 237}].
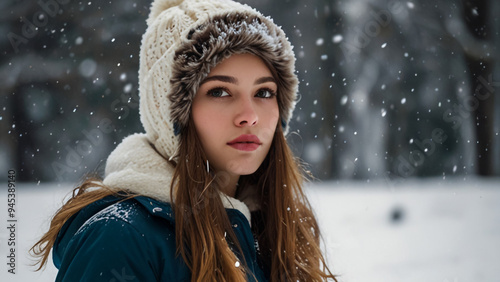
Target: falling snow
[
  {"x": 337, "y": 38},
  {"x": 377, "y": 79}
]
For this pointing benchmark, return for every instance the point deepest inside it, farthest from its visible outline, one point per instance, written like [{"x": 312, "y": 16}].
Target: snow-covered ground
[{"x": 425, "y": 230}]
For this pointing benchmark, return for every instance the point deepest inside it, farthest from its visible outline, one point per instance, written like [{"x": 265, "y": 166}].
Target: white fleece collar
[{"x": 135, "y": 166}]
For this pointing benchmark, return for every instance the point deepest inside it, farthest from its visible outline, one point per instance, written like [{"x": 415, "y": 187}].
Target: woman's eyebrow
[
  {"x": 223, "y": 78},
  {"x": 264, "y": 80},
  {"x": 234, "y": 80}
]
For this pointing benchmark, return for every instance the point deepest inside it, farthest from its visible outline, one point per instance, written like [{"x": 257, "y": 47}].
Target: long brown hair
[
  {"x": 80, "y": 198},
  {"x": 289, "y": 236}
]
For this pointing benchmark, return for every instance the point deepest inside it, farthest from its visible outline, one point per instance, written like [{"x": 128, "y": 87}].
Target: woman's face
[{"x": 235, "y": 113}]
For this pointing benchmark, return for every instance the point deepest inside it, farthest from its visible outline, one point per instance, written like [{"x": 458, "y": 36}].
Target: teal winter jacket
[{"x": 133, "y": 240}]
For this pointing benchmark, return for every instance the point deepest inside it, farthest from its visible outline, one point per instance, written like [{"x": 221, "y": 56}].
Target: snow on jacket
[{"x": 134, "y": 240}]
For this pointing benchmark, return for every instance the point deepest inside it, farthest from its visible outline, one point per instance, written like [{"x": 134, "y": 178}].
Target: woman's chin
[{"x": 241, "y": 167}]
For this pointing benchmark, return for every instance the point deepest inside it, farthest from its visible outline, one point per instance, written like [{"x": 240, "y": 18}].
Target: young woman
[{"x": 211, "y": 191}]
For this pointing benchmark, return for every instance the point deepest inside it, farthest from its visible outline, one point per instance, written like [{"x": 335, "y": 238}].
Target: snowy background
[
  {"x": 397, "y": 118},
  {"x": 446, "y": 231}
]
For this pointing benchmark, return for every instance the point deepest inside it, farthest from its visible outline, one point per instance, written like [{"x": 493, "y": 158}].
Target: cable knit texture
[
  {"x": 183, "y": 41},
  {"x": 135, "y": 166}
]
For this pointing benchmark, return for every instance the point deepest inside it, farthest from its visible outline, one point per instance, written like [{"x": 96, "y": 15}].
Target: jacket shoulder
[
  {"x": 130, "y": 213},
  {"x": 123, "y": 240}
]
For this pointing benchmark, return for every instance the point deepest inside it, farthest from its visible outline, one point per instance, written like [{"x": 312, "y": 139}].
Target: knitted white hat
[{"x": 183, "y": 41}]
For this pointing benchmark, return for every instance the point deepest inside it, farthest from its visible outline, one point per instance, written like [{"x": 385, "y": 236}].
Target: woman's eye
[
  {"x": 218, "y": 92},
  {"x": 264, "y": 93}
]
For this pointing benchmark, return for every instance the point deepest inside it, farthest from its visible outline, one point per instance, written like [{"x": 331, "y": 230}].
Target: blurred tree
[
  {"x": 480, "y": 62},
  {"x": 330, "y": 87}
]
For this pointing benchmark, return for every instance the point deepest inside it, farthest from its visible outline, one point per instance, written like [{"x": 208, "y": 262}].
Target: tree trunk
[{"x": 476, "y": 17}]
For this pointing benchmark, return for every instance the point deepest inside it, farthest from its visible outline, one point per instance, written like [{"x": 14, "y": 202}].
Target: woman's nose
[{"x": 246, "y": 114}]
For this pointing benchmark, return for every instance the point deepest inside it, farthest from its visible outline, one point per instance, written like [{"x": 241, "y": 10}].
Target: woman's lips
[
  {"x": 245, "y": 146},
  {"x": 245, "y": 142}
]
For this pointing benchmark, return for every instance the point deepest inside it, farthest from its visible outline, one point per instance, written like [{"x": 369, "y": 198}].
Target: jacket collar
[{"x": 135, "y": 166}]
